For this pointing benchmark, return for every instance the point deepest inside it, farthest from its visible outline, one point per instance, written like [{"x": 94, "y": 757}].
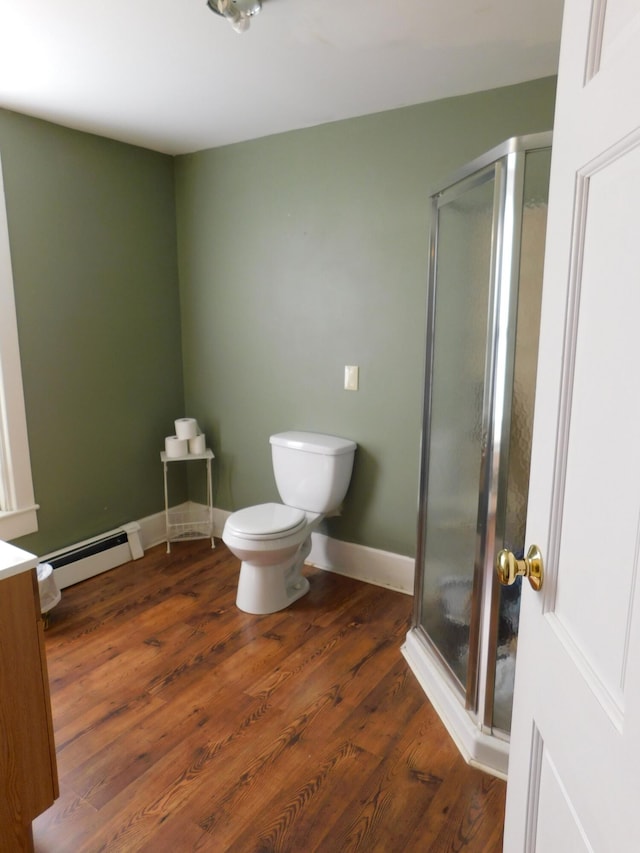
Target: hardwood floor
[{"x": 183, "y": 724}]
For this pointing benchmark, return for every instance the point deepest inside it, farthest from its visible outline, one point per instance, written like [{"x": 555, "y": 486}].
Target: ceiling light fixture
[{"x": 237, "y": 12}]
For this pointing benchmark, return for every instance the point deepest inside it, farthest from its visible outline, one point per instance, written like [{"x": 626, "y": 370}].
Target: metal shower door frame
[{"x": 505, "y": 164}]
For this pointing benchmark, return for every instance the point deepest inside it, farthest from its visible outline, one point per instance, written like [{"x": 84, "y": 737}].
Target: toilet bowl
[{"x": 273, "y": 540}]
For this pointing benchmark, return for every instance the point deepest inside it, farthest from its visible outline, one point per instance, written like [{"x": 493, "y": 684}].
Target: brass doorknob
[{"x": 509, "y": 568}]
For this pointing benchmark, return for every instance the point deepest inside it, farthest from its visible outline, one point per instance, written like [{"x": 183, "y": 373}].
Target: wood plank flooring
[{"x": 183, "y": 724}]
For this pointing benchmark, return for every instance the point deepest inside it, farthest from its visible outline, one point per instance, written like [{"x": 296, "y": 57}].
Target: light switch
[{"x": 351, "y": 377}]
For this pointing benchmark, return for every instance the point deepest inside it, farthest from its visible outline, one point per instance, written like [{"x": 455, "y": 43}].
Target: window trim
[{"x": 19, "y": 517}]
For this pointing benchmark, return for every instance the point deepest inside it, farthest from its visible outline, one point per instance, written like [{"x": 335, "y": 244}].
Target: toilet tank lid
[{"x": 314, "y": 442}]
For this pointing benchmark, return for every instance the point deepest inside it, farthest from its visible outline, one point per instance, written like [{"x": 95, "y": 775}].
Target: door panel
[
  {"x": 602, "y": 442},
  {"x": 559, "y": 827}
]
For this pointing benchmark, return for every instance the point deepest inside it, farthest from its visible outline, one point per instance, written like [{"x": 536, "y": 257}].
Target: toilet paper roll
[
  {"x": 186, "y": 428},
  {"x": 175, "y": 446},
  {"x": 197, "y": 444}
]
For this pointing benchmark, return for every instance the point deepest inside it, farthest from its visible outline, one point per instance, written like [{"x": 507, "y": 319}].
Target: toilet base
[
  {"x": 267, "y": 589},
  {"x": 271, "y": 570}
]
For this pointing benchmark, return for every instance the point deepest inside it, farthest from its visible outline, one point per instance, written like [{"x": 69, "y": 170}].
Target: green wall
[
  {"x": 297, "y": 254},
  {"x": 93, "y": 245},
  {"x": 302, "y": 252}
]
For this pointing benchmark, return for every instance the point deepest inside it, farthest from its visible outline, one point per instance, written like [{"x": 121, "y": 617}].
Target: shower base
[{"x": 484, "y": 750}]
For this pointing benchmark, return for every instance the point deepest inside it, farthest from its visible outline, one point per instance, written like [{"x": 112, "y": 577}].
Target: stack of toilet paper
[{"x": 187, "y": 440}]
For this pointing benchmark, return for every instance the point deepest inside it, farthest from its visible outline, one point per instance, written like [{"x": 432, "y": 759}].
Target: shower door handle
[{"x": 509, "y": 568}]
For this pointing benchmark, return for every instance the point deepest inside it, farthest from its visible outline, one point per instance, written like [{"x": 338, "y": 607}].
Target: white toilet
[{"x": 273, "y": 540}]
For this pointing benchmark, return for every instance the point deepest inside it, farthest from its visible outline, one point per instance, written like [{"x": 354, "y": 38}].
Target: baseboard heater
[{"x": 94, "y": 556}]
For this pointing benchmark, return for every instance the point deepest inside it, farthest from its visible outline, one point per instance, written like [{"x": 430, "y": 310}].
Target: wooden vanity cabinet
[{"x": 28, "y": 773}]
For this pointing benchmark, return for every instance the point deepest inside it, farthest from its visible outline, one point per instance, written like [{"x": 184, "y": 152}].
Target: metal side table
[{"x": 194, "y": 522}]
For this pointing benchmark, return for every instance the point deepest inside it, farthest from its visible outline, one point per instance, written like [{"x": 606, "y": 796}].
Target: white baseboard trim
[
  {"x": 481, "y": 750},
  {"x": 219, "y": 518},
  {"x": 382, "y": 568},
  {"x": 153, "y": 528}
]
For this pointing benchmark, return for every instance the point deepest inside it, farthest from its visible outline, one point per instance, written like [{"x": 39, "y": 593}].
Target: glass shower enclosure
[{"x": 485, "y": 285}]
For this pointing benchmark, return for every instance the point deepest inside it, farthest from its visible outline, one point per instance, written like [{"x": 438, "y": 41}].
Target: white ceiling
[{"x": 171, "y": 76}]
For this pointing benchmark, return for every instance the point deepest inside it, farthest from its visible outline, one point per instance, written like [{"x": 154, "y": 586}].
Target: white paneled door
[{"x": 574, "y": 773}]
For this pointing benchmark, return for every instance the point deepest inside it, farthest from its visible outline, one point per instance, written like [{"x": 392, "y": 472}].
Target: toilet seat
[{"x": 266, "y": 521}]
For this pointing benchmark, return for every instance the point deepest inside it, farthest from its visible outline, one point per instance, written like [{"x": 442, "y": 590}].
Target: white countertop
[{"x": 14, "y": 560}]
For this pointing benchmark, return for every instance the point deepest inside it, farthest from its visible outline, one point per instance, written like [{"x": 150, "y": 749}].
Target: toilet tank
[{"x": 312, "y": 470}]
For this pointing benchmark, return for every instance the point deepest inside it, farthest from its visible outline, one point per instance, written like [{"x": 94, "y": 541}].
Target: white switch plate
[{"x": 351, "y": 377}]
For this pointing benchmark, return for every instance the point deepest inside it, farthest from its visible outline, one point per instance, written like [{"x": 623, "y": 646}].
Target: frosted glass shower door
[{"x": 459, "y": 313}]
